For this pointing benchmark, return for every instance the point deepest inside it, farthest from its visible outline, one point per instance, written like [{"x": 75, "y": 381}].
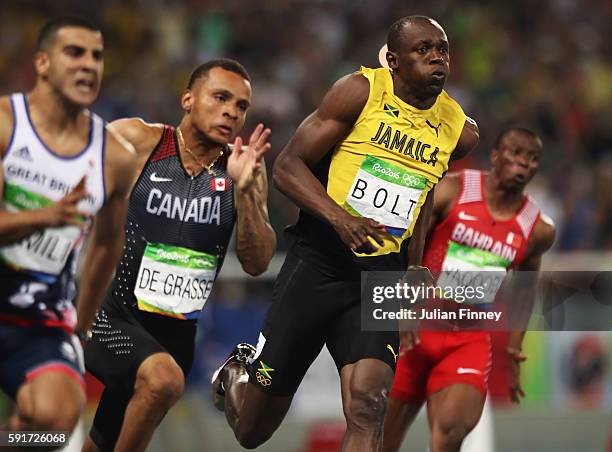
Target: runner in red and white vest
[{"x": 481, "y": 221}]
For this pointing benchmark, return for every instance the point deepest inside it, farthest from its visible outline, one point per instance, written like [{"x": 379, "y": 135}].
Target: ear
[
  {"x": 187, "y": 100},
  {"x": 494, "y": 156},
  {"x": 392, "y": 60},
  {"x": 42, "y": 63}
]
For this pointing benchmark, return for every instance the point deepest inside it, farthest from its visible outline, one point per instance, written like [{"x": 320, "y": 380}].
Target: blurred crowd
[{"x": 547, "y": 68}]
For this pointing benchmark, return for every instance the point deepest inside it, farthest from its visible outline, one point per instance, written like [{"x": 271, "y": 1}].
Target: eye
[
  {"x": 422, "y": 50},
  {"x": 243, "y": 107},
  {"x": 444, "y": 50},
  {"x": 220, "y": 97},
  {"x": 74, "y": 51}
]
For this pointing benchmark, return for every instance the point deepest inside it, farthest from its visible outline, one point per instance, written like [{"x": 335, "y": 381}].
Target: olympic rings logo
[{"x": 262, "y": 380}]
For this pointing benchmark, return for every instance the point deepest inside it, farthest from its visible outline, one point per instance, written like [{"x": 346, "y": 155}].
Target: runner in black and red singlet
[{"x": 189, "y": 194}]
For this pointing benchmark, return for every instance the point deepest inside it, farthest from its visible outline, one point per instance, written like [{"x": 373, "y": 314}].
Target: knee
[
  {"x": 450, "y": 432},
  {"x": 48, "y": 415},
  {"x": 366, "y": 409},
  {"x": 251, "y": 438},
  {"x": 164, "y": 383}
]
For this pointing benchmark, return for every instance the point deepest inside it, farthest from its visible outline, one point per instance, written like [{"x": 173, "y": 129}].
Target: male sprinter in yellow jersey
[{"x": 361, "y": 168}]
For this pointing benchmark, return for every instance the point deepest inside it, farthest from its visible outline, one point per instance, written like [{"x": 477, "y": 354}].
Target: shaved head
[{"x": 399, "y": 27}]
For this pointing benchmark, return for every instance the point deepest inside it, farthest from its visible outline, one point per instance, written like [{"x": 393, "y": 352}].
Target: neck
[
  {"x": 409, "y": 95},
  {"x": 58, "y": 113},
  {"x": 197, "y": 142},
  {"x": 500, "y": 197}
]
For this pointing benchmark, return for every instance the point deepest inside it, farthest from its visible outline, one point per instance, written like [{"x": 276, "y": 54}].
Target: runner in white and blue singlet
[{"x": 62, "y": 174}]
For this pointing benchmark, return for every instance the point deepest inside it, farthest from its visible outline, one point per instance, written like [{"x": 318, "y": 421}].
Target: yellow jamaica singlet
[{"x": 384, "y": 168}]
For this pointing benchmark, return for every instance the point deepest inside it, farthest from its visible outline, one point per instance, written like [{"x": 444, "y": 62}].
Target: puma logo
[
  {"x": 432, "y": 126},
  {"x": 392, "y": 352}
]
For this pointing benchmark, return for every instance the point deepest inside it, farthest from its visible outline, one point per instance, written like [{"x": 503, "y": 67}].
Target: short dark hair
[
  {"x": 224, "y": 63},
  {"x": 47, "y": 33},
  {"x": 507, "y": 131},
  {"x": 393, "y": 36}
]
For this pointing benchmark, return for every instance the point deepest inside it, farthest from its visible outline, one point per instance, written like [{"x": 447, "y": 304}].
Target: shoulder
[
  {"x": 346, "y": 98},
  {"x": 6, "y": 122},
  {"x": 451, "y": 181},
  {"x": 446, "y": 191},
  {"x": 141, "y": 135},
  {"x": 468, "y": 140},
  {"x": 450, "y": 103},
  {"x": 543, "y": 235},
  {"x": 119, "y": 149}
]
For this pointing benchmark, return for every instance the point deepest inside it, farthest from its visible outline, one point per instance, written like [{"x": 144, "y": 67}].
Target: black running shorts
[
  {"x": 120, "y": 342},
  {"x": 310, "y": 308}
]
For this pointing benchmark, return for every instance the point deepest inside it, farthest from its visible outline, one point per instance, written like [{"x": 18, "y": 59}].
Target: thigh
[
  {"x": 49, "y": 392},
  {"x": 27, "y": 353},
  {"x": 465, "y": 359},
  {"x": 456, "y": 405},
  {"x": 294, "y": 328},
  {"x": 411, "y": 375},
  {"x": 176, "y": 336},
  {"x": 348, "y": 342},
  {"x": 117, "y": 348}
]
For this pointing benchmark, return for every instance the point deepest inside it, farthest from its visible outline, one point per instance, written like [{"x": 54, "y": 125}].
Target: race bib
[
  {"x": 46, "y": 251},
  {"x": 386, "y": 193},
  {"x": 464, "y": 267},
  {"x": 174, "y": 281}
]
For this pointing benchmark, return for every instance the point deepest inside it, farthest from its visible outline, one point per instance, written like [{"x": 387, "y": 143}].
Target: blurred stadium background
[{"x": 546, "y": 65}]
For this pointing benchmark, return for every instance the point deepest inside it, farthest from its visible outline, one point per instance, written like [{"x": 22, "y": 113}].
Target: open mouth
[{"x": 85, "y": 86}]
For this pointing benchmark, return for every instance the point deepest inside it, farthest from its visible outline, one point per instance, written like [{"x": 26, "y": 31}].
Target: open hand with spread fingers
[{"x": 244, "y": 163}]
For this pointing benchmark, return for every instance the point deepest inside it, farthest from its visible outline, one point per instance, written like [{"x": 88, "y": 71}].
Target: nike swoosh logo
[
  {"x": 155, "y": 178},
  {"x": 464, "y": 216},
  {"x": 467, "y": 370}
]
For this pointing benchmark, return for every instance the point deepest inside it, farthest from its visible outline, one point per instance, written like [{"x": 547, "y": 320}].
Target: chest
[
  {"x": 165, "y": 193},
  {"x": 472, "y": 226}
]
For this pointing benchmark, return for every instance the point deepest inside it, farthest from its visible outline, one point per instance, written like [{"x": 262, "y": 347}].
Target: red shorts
[{"x": 439, "y": 360}]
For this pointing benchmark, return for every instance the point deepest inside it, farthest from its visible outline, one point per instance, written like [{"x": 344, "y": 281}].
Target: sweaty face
[
  {"x": 73, "y": 64},
  {"x": 517, "y": 159},
  {"x": 218, "y": 103},
  {"x": 422, "y": 59}
]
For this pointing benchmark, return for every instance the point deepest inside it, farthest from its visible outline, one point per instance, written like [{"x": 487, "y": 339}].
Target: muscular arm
[
  {"x": 419, "y": 233},
  {"x": 434, "y": 211},
  {"x": 314, "y": 138},
  {"x": 541, "y": 240},
  {"x": 467, "y": 140},
  {"x": 255, "y": 238},
  {"x": 106, "y": 243}
]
